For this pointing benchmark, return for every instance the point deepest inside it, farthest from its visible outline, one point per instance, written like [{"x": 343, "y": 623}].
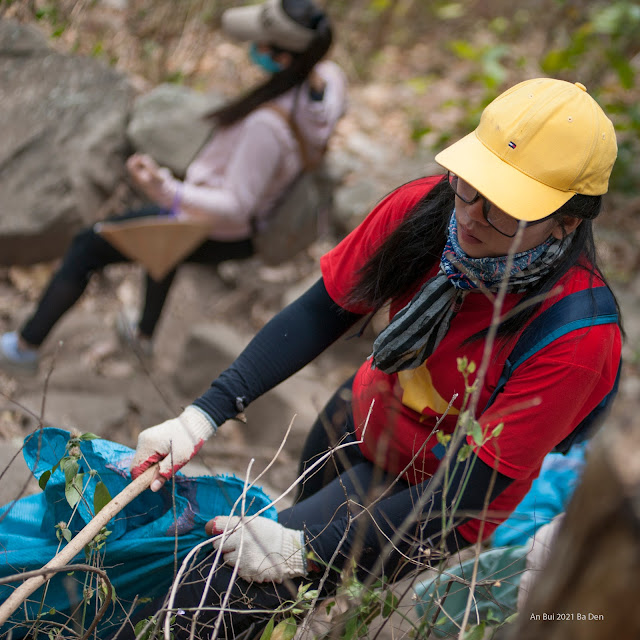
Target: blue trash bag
[
  {"x": 442, "y": 601},
  {"x": 549, "y": 495},
  {"x": 146, "y": 536}
]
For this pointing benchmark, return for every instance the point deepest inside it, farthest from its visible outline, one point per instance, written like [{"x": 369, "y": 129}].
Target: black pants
[
  {"x": 321, "y": 499},
  {"x": 90, "y": 252}
]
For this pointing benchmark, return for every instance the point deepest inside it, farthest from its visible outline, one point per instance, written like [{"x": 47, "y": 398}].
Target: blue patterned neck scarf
[{"x": 417, "y": 329}]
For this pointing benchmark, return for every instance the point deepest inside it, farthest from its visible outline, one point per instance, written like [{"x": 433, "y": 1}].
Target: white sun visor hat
[{"x": 267, "y": 23}]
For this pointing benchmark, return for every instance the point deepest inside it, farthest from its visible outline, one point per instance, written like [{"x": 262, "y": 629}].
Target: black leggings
[
  {"x": 322, "y": 499},
  {"x": 90, "y": 252}
]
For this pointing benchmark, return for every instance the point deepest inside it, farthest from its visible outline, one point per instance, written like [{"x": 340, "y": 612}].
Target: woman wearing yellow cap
[
  {"x": 515, "y": 206},
  {"x": 264, "y": 140}
]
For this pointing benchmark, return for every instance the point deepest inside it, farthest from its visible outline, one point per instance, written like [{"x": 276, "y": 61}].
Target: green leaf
[
  {"x": 450, "y": 11},
  {"x": 268, "y": 630},
  {"x": 73, "y": 491},
  {"x": 142, "y": 624},
  {"x": 44, "y": 478},
  {"x": 101, "y": 497},
  {"x": 89, "y": 436},
  {"x": 66, "y": 533},
  {"x": 70, "y": 468},
  {"x": 511, "y": 618},
  {"x": 476, "y": 432},
  {"x": 285, "y": 630},
  {"x": 354, "y": 588},
  {"x": 625, "y": 71},
  {"x": 312, "y": 594},
  {"x": 491, "y": 616},
  {"x": 350, "y": 629},
  {"x": 497, "y": 430},
  {"x": 464, "y": 452},
  {"x": 390, "y": 604},
  {"x": 556, "y": 60},
  {"x": 476, "y": 633},
  {"x": 443, "y": 438},
  {"x": 463, "y": 49},
  {"x": 380, "y": 5}
]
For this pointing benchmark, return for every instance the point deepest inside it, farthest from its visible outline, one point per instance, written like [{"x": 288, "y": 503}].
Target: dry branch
[{"x": 78, "y": 543}]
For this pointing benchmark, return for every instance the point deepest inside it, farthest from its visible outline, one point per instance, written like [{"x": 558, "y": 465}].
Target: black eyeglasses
[{"x": 502, "y": 222}]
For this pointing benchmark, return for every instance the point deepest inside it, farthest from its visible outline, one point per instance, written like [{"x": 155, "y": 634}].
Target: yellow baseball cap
[{"x": 537, "y": 145}]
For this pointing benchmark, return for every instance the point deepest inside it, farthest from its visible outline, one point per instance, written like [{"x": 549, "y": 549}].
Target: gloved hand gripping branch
[{"x": 173, "y": 442}]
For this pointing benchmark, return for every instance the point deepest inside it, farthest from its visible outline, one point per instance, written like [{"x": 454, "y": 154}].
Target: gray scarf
[{"x": 416, "y": 330}]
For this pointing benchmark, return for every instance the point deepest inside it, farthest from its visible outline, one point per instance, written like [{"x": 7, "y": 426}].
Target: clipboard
[{"x": 158, "y": 243}]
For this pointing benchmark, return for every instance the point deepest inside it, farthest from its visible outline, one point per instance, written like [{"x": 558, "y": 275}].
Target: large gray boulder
[
  {"x": 169, "y": 124},
  {"x": 63, "y": 129}
]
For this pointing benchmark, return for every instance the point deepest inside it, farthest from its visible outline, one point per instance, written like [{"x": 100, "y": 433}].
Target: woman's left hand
[{"x": 261, "y": 549}]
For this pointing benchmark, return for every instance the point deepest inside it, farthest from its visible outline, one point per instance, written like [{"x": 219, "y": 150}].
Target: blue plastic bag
[
  {"x": 549, "y": 495},
  {"x": 442, "y": 601},
  {"x": 139, "y": 554}
]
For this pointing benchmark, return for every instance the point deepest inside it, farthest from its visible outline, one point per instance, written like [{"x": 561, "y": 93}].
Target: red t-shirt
[{"x": 543, "y": 401}]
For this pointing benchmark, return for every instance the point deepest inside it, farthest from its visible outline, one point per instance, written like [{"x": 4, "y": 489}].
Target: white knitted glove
[
  {"x": 173, "y": 442},
  {"x": 270, "y": 552}
]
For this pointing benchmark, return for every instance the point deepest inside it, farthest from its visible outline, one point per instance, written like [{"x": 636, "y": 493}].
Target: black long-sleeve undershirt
[
  {"x": 288, "y": 342},
  {"x": 292, "y": 339}
]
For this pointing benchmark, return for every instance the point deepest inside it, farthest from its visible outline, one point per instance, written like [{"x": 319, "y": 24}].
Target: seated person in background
[{"x": 234, "y": 180}]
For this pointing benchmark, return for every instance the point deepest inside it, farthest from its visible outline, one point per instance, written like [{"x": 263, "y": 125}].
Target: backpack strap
[
  {"x": 308, "y": 163},
  {"x": 586, "y": 308},
  {"x": 297, "y": 134}
]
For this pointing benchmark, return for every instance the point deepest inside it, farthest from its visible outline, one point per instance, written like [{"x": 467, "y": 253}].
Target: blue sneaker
[{"x": 15, "y": 358}]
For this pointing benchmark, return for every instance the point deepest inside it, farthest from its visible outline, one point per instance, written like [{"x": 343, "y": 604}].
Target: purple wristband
[{"x": 177, "y": 199}]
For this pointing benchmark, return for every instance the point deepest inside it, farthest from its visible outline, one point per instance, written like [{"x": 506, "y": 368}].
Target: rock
[
  {"x": 82, "y": 411},
  {"x": 168, "y": 124},
  {"x": 353, "y": 202},
  {"x": 64, "y": 144},
  {"x": 211, "y": 348},
  {"x": 16, "y": 481}
]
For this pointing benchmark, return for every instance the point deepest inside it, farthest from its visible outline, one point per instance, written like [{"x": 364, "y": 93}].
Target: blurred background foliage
[{"x": 444, "y": 60}]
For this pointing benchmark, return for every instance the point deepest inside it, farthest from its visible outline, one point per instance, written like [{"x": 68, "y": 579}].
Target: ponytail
[{"x": 282, "y": 81}]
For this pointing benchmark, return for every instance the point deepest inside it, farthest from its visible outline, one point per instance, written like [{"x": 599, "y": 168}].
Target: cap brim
[
  {"x": 507, "y": 188},
  {"x": 243, "y": 23}
]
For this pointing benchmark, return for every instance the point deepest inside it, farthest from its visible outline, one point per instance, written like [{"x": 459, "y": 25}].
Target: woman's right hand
[
  {"x": 154, "y": 181},
  {"x": 172, "y": 443}
]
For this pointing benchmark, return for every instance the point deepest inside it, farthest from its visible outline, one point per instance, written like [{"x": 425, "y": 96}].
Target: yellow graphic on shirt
[{"x": 420, "y": 394}]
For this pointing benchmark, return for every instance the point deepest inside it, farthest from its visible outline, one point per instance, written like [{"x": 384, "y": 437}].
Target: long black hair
[
  {"x": 416, "y": 245},
  {"x": 295, "y": 74}
]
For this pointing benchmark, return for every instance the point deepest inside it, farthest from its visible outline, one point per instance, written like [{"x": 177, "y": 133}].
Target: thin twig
[
  {"x": 475, "y": 396},
  {"x": 91, "y": 529},
  {"x": 49, "y": 572},
  {"x": 216, "y": 560}
]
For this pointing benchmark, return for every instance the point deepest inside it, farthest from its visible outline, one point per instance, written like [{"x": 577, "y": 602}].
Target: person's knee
[{"x": 83, "y": 255}]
